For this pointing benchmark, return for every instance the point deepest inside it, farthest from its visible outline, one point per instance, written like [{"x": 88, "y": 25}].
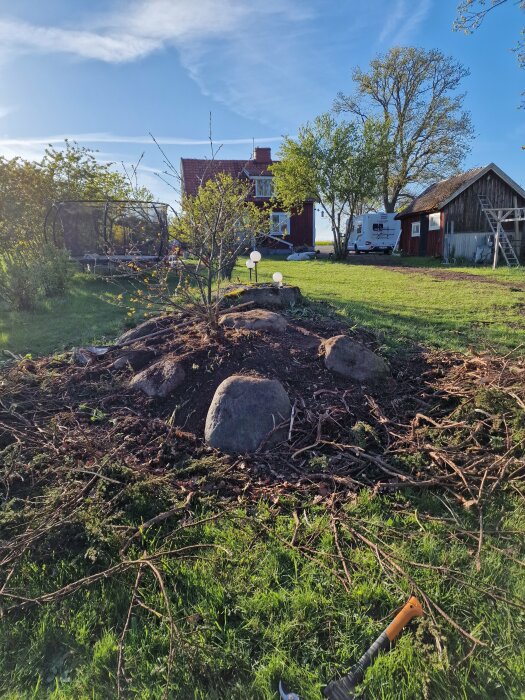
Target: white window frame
[
  {"x": 276, "y": 229},
  {"x": 263, "y": 186},
  {"x": 416, "y": 229},
  {"x": 434, "y": 221}
]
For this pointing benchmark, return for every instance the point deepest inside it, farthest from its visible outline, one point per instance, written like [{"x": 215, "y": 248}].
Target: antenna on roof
[{"x": 253, "y": 145}]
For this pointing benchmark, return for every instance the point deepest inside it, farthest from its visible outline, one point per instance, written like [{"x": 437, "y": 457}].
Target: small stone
[
  {"x": 150, "y": 326},
  {"x": 136, "y": 358},
  {"x": 244, "y": 412},
  {"x": 255, "y": 320},
  {"x": 353, "y": 360},
  {"x": 265, "y": 296},
  {"x": 160, "y": 379}
]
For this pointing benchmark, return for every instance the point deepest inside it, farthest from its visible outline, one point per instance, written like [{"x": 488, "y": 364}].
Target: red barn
[
  {"x": 448, "y": 220},
  {"x": 286, "y": 230}
]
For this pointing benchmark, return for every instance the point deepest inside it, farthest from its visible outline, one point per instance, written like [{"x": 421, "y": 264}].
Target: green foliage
[
  {"x": 30, "y": 266},
  {"x": 335, "y": 164},
  {"x": 217, "y": 225},
  {"x": 28, "y": 274},
  {"x": 413, "y": 92}
]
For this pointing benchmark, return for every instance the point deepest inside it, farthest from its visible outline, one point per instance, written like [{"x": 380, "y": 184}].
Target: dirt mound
[{"x": 341, "y": 434}]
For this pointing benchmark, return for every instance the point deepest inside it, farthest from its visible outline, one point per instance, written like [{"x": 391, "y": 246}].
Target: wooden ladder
[{"x": 508, "y": 252}]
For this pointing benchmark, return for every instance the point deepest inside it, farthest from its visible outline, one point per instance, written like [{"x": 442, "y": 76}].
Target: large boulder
[
  {"x": 264, "y": 295},
  {"x": 244, "y": 412},
  {"x": 350, "y": 359},
  {"x": 146, "y": 328},
  {"x": 159, "y": 379},
  {"x": 255, "y": 320}
]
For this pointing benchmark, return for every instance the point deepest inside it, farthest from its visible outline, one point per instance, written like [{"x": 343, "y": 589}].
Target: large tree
[
  {"x": 335, "y": 163},
  {"x": 414, "y": 92}
]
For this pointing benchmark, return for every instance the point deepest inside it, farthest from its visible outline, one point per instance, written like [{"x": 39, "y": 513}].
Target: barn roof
[
  {"x": 438, "y": 195},
  {"x": 197, "y": 171}
]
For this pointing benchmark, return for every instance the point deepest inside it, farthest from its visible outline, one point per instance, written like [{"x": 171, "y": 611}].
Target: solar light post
[
  {"x": 255, "y": 257},
  {"x": 278, "y": 278},
  {"x": 250, "y": 265}
]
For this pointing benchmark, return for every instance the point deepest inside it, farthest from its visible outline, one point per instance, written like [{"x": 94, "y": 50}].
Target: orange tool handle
[{"x": 410, "y": 610}]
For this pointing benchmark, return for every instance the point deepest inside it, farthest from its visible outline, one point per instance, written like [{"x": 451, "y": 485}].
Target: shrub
[
  {"x": 26, "y": 277},
  {"x": 53, "y": 271},
  {"x": 19, "y": 286}
]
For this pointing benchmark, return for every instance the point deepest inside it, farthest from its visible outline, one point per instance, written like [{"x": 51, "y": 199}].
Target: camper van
[{"x": 373, "y": 233}]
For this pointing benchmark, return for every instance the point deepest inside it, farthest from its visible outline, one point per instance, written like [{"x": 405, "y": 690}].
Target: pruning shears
[{"x": 344, "y": 688}]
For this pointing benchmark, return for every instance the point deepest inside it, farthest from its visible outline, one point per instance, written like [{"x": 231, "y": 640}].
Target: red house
[
  {"x": 286, "y": 230},
  {"x": 448, "y": 219}
]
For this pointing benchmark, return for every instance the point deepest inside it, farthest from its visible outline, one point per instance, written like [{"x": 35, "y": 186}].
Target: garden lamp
[
  {"x": 250, "y": 265},
  {"x": 278, "y": 278},
  {"x": 255, "y": 257}
]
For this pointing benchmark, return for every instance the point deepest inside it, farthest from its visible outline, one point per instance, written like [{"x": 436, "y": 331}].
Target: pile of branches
[{"x": 465, "y": 436}]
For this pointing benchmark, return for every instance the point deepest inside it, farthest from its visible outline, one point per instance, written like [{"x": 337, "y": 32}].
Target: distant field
[{"x": 407, "y": 300}]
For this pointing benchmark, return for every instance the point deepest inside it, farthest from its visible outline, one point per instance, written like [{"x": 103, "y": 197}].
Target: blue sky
[{"x": 107, "y": 72}]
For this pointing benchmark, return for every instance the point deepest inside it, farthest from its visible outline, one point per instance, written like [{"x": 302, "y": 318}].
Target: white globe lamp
[
  {"x": 255, "y": 256},
  {"x": 278, "y": 278}
]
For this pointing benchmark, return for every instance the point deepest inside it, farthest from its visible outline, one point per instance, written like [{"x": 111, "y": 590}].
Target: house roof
[
  {"x": 196, "y": 171},
  {"x": 438, "y": 195}
]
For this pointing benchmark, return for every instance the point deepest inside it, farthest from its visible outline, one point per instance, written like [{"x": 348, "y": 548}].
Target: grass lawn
[
  {"x": 450, "y": 308},
  {"x": 87, "y": 314},
  {"x": 265, "y": 595},
  {"x": 406, "y": 303}
]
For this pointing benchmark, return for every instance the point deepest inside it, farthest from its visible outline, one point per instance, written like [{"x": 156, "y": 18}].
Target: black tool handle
[{"x": 343, "y": 689}]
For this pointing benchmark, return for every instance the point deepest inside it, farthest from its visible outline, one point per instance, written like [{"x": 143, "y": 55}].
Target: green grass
[
  {"x": 420, "y": 305},
  {"x": 423, "y": 304},
  {"x": 88, "y": 313},
  {"x": 253, "y": 608}
]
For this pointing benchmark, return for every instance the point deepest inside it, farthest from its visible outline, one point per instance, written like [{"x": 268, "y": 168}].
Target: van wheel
[{"x": 387, "y": 251}]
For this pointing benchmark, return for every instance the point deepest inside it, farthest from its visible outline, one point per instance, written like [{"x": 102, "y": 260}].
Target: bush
[
  {"x": 19, "y": 285},
  {"x": 53, "y": 271},
  {"x": 27, "y": 277}
]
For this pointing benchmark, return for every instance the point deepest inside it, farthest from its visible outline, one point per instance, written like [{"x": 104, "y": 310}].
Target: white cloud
[
  {"x": 144, "y": 26},
  {"x": 141, "y": 140},
  {"x": 402, "y": 21},
  {"x": 396, "y": 15}
]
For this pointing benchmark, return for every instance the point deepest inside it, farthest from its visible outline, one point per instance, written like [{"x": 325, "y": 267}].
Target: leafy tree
[
  {"x": 333, "y": 163},
  {"x": 216, "y": 225},
  {"x": 413, "y": 92},
  {"x": 29, "y": 266}
]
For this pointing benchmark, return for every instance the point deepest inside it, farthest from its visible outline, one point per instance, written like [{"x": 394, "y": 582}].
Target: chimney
[{"x": 262, "y": 155}]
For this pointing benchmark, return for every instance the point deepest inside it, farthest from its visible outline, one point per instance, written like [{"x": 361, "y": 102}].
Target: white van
[{"x": 373, "y": 233}]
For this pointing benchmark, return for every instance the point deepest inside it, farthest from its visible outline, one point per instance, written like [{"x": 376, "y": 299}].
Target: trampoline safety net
[{"x": 114, "y": 230}]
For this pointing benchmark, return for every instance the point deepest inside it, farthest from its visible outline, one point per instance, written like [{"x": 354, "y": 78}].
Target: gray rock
[
  {"x": 265, "y": 296},
  {"x": 255, "y": 320},
  {"x": 243, "y": 413},
  {"x": 353, "y": 360},
  {"x": 136, "y": 358},
  {"x": 160, "y": 379},
  {"x": 145, "y": 328}
]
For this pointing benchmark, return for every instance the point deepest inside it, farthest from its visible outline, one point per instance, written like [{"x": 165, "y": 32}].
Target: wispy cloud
[
  {"x": 140, "y": 140},
  {"x": 395, "y": 16},
  {"x": 403, "y": 19},
  {"x": 142, "y": 27}
]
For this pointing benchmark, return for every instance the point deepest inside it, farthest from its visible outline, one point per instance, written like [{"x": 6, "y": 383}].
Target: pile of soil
[{"x": 342, "y": 435}]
